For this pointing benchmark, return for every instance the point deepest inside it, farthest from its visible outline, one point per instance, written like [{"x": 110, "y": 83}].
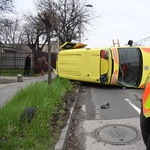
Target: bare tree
[
  {"x": 6, "y": 6},
  {"x": 71, "y": 15},
  {"x": 34, "y": 29},
  {"x": 35, "y": 32},
  {"x": 49, "y": 21},
  {"x": 10, "y": 31}
]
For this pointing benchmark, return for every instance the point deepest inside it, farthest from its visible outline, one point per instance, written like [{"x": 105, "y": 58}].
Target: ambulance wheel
[
  {"x": 145, "y": 127},
  {"x": 148, "y": 143}
]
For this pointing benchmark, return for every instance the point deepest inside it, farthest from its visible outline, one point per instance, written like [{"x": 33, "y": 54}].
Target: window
[{"x": 130, "y": 66}]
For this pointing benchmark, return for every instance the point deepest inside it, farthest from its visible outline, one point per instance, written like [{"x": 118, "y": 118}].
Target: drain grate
[{"x": 118, "y": 134}]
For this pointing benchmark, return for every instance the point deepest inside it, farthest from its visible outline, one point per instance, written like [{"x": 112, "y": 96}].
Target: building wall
[
  {"x": 23, "y": 47},
  {"x": 54, "y": 47}
]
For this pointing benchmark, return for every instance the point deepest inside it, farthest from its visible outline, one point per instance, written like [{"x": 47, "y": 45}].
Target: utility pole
[
  {"x": 49, "y": 54},
  {"x": 58, "y": 37},
  {"x": 88, "y": 5},
  {"x": 49, "y": 21},
  {"x": 80, "y": 31}
]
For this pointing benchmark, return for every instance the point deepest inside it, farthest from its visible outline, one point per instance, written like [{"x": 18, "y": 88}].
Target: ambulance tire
[
  {"x": 145, "y": 127},
  {"x": 148, "y": 143}
]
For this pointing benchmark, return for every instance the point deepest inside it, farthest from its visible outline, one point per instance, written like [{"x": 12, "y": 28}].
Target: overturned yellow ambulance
[{"x": 127, "y": 66}]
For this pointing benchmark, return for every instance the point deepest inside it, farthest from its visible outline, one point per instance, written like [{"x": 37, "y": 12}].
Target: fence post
[
  {"x": 0, "y": 64},
  {"x": 14, "y": 60}
]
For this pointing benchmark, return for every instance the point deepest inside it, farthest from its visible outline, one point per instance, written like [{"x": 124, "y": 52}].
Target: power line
[{"x": 143, "y": 40}]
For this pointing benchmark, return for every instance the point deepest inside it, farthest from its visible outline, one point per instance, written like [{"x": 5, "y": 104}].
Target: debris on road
[{"x": 105, "y": 106}]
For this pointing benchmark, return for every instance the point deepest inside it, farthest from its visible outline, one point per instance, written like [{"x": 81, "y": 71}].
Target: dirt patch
[
  {"x": 68, "y": 100},
  {"x": 7, "y": 81},
  {"x": 73, "y": 142}
]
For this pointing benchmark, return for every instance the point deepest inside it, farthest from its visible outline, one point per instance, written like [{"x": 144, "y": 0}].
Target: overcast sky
[{"x": 119, "y": 19}]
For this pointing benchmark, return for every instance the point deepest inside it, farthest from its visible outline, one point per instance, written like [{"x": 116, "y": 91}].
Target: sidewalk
[{"x": 8, "y": 90}]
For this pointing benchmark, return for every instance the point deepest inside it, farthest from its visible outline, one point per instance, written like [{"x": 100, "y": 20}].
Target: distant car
[
  {"x": 126, "y": 66},
  {"x": 145, "y": 114}
]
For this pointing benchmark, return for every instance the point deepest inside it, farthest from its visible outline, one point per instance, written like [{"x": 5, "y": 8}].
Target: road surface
[{"x": 94, "y": 122}]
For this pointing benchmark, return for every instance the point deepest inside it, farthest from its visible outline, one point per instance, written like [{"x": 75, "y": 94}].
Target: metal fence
[{"x": 13, "y": 63}]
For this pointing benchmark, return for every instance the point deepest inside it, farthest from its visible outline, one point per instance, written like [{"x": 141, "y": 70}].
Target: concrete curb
[
  {"x": 62, "y": 142},
  {"x": 9, "y": 84},
  {"x": 4, "y": 85}
]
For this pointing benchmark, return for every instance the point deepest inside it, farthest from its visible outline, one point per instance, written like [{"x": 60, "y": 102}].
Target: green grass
[
  {"x": 11, "y": 72},
  {"x": 42, "y": 132}
]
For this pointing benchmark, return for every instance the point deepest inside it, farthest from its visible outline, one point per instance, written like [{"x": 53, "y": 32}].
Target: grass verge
[
  {"x": 11, "y": 72},
  {"x": 16, "y": 72},
  {"x": 45, "y": 127}
]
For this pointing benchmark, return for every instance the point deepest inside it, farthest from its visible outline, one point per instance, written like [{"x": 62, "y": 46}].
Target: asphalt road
[{"x": 124, "y": 108}]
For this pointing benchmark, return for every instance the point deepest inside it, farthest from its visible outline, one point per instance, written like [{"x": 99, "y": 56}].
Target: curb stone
[
  {"x": 4, "y": 85},
  {"x": 62, "y": 142},
  {"x": 9, "y": 84}
]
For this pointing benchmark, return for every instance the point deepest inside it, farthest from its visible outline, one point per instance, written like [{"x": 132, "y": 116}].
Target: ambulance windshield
[{"x": 130, "y": 67}]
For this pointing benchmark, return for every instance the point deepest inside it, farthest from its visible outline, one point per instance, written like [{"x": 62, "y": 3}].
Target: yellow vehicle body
[
  {"x": 146, "y": 64},
  {"x": 80, "y": 65},
  {"x": 103, "y": 65}
]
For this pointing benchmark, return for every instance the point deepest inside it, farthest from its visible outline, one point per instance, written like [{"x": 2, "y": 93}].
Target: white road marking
[
  {"x": 97, "y": 112},
  {"x": 83, "y": 108},
  {"x": 97, "y": 107},
  {"x": 135, "y": 107}
]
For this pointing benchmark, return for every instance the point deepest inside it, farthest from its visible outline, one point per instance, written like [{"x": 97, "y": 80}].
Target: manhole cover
[{"x": 118, "y": 134}]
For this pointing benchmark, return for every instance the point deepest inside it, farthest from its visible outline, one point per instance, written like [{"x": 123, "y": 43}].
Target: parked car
[
  {"x": 126, "y": 66},
  {"x": 145, "y": 114}
]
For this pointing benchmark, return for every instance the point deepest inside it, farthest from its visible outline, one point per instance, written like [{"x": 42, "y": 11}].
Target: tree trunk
[{"x": 49, "y": 55}]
